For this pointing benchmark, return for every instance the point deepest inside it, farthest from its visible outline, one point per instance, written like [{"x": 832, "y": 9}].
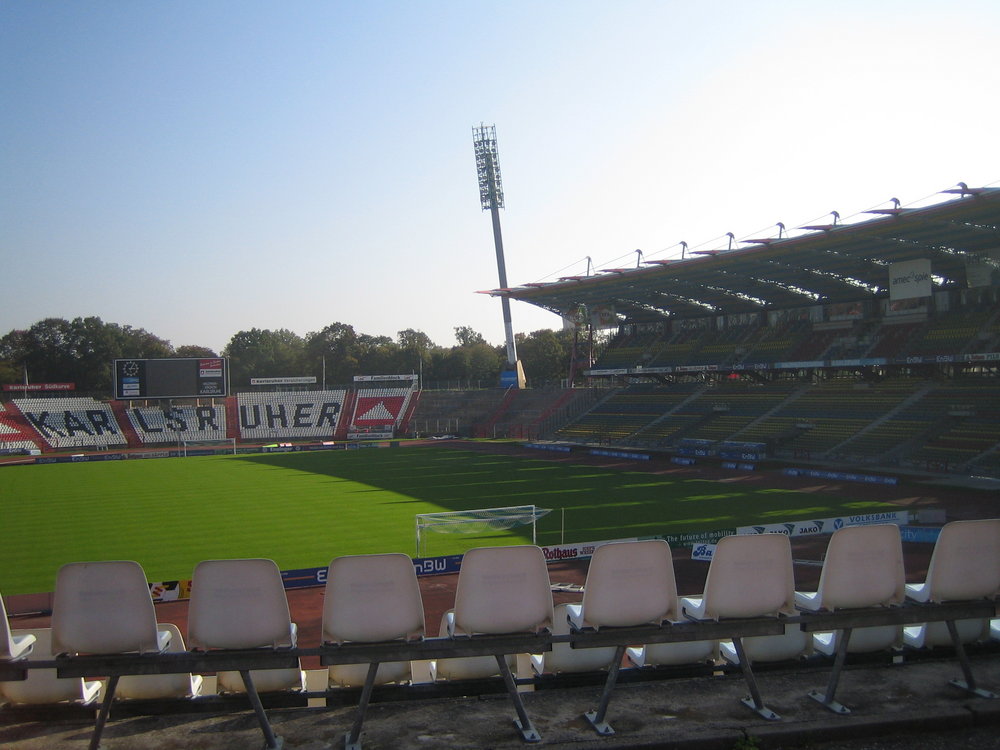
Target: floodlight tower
[{"x": 484, "y": 139}]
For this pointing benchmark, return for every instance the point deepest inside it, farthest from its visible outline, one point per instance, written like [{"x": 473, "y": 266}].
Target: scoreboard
[{"x": 181, "y": 377}]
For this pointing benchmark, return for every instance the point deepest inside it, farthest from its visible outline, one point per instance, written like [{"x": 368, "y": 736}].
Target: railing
[{"x": 115, "y": 666}]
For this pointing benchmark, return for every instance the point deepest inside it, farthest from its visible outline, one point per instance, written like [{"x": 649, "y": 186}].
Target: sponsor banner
[
  {"x": 301, "y": 578},
  {"x": 78, "y": 458},
  {"x": 209, "y": 368},
  {"x": 39, "y": 386},
  {"x": 560, "y": 552},
  {"x": 151, "y": 454},
  {"x": 304, "y": 380},
  {"x": 740, "y": 455},
  {"x": 703, "y": 552},
  {"x": 435, "y": 566},
  {"x": 607, "y": 372},
  {"x": 826, "y": 525},
  {"x": 981, "y": 268},
  {"x": 694, "y": 538},
  {"x": 688, "y": 451},
  {"x": 372, "y": 435},
  {"x": 927, "y": 534},
  {"x": 696, "y": 368},
  {"x": 910, "y": 279},
  {"x": 382, "y": 378},
  {"x": 548, "y": 447},
  {"x": 619, "y": 454},
  {"x": 799, "y": 365},
  {"x": 603, "y": 316},
  {"x": 682, "y": 461},
  {"x": 170, "y": 591},
  {"x": 840, "y": 475}
]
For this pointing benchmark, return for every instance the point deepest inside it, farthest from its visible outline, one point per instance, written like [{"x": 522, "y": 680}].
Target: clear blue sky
[{"x": 200, "y": 168}]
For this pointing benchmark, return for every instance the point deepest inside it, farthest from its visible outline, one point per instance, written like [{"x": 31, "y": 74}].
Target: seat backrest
[
  {"x": 503, "y": 590},
  {"x": 238, "y": 604},
  {"x": 372, "y": 598},
  {"x": 103, "y": 608},
  {"x": 863, "y": 568},
  {"x": 750, "y": 576},
  {"x": 965, "y": 563},
  {"x": 630, "y": 584}
]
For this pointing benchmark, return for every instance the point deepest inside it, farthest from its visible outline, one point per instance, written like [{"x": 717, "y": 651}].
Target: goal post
[
  {"x": 208, "y": 447},
  {"x": 477, "y": 521}
]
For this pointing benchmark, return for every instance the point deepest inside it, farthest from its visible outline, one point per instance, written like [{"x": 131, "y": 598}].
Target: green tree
[
  {"x": 337, "y": 345},
  {"x": 465, "y": 336},
  {"x": 80, "y": 351},
  {"x": 545, "y": 355},
  {"x": 193, "y": 351},
  {"x": 261, "y": 353}
]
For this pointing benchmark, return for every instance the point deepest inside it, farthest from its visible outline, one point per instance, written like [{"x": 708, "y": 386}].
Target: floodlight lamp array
[{"x": 484, "y": 139}]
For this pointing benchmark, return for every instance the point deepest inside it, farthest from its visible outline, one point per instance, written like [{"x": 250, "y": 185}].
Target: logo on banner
[{"x": 374, "y": 410}]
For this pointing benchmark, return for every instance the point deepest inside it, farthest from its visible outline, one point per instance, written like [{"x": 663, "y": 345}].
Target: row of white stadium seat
[
  {"x": 375, "y": 601},
  {"x": 155, "y": 425},
  {"x": 271, "y": 416},
  {"x": 75, "y": 422}
]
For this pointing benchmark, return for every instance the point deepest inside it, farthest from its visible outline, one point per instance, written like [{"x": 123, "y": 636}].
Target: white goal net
[
  {"x": 208, "y": 447},
  {"x": 478, "y": 521}
]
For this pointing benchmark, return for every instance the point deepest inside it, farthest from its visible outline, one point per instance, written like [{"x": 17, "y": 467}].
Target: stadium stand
[
  {"x": 176, "y": 423},
  {"x": 295, "y": 415},
  {"x": 380, "y": 410},
  {"x": 16, "y": 436},
  {"x": 77, "y": 422}
]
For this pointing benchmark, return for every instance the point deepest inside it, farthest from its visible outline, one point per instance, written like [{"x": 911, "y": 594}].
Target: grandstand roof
[{"x": 827, "y": 264}]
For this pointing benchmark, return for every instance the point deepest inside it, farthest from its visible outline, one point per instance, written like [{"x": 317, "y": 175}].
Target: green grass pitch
[{"x": 303, "y": 509}]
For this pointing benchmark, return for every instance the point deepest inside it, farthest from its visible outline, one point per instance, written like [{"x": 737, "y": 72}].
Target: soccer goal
[
  {"x": 476, "y": 521},
  {"x": 208, "y": 447}
]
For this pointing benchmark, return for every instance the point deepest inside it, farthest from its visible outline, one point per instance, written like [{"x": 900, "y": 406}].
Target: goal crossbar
[
  {"x": 217, "y": 445},
  {"x": 477, "y": 521}
]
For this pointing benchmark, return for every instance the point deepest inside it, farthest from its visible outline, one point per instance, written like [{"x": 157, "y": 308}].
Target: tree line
[{"x": 82, "y": 351}]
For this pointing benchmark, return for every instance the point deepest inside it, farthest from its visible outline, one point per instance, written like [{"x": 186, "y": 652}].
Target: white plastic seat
[
  {"x": 42, "y": 686},
  {"x": 13, "y": 646},
  {"x": 370, "y": 599},
  {"x": 241, "y": 604},
  {"x": 863, "y": 568},
  {"x": 750, "y": 576},
  {"x": 158, "y": 686},
  {"x": 965, "y": 565},
  {"x": 503, "y": 590},
  {"x": 629, "y": 584},
  {"x": 104, "y": 608}
]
